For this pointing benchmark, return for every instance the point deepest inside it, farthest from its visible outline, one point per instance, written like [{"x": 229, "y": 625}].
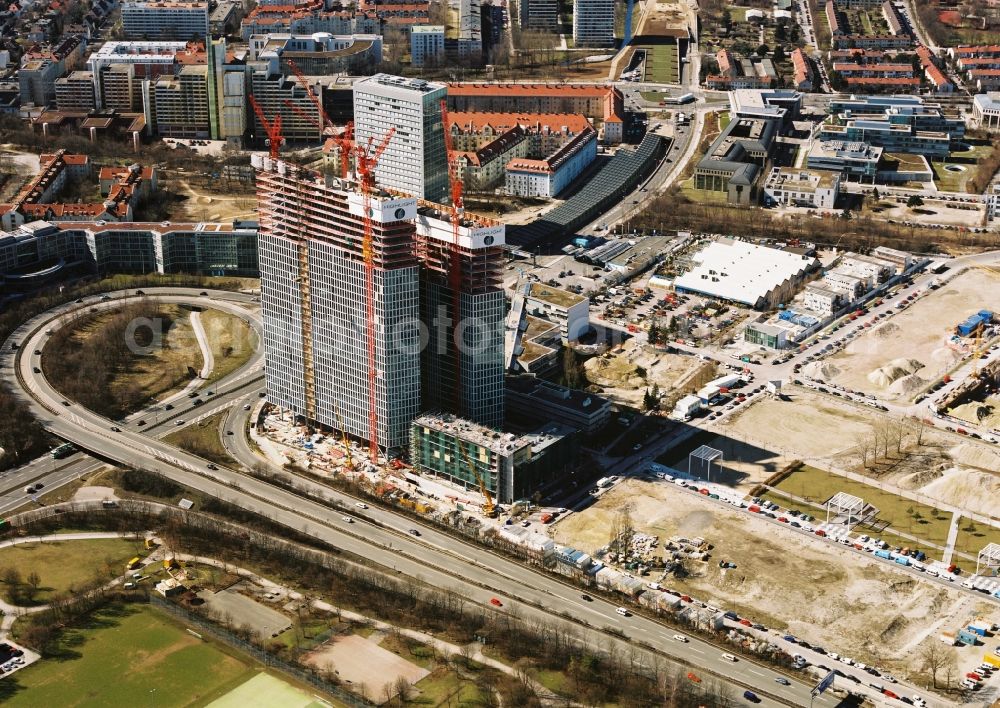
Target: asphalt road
[{"x": 433, "y": 557}]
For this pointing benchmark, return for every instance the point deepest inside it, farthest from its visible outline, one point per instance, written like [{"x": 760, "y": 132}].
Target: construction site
[
  {"x": 812, "y": 589},
  {"x": 899, "y": 359}
]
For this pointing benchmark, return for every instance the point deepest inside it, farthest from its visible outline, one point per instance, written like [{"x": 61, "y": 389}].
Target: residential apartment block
[
  {"x": 602, "y": 104},
  {"x": 166, "y": 19},
  {"x": 414, "y": 161},
  {"x": 427, "y": 45},
  {"x": 593, "y": 23},
  {"x": 75, "y": 92}
]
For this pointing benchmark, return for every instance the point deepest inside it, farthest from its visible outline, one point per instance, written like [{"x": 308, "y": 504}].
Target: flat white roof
[{"x": 740, "y": 271}]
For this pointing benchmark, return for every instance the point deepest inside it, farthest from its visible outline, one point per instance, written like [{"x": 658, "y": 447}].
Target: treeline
[
  {"x": 598, "y": 671},
  {"x": 83, "y": 368},
  {"x": 673, "y": 211},
  {"x": 22, "y": 438},
  {"x": 986, "y": 167}
]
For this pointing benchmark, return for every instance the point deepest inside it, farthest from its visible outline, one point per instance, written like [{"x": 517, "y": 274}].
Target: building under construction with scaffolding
[{"x": 366, "y": 356}]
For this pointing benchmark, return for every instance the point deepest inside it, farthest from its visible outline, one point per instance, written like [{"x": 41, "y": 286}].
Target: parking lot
[{"x": 14, "y": 657}]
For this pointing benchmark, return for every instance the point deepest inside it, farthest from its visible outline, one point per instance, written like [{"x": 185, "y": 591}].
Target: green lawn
[
  {"x": 65, "y": 564},
  {"x": 662, "y": 63},
  {"x": 443, "y": 687},
  {"x": 126, "y": 655},
  {"x": 724, "y": 119},
  {"x": 902, "y": 514},
  {"x": 972, "y": 536},
  {"x": 203, "y": 439},
  {"x": 949, "y": 181}
]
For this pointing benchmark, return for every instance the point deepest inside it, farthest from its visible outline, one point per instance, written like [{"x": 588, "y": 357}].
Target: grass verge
[
  {"x": 232, "y": 339},
  {"x": 203, "y": 439},
  {"x": 899, "y": 513}
]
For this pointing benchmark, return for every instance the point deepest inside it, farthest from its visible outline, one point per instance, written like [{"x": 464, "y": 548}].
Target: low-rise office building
[
  {"x": 571, "y": 312},
  {"x": 318, "y": 54},
  {"x": 40, "y": 253},
  {"x": 529, "y": 399},
  {"x": 851, "y": 159},
  {"x": 510, "y": 466},
  {"x": 734, "y": 161},
  {"x": 986, "y": 110},
  {"x": 790, "y": 186}
]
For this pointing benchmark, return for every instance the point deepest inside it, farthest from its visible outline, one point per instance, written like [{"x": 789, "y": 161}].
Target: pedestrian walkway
[{"x": 952, "y": 537}]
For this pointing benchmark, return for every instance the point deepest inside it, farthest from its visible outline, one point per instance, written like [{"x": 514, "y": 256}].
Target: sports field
[
  {"x": 266, "y": 691},
  {"x": 126, "y": 655}
]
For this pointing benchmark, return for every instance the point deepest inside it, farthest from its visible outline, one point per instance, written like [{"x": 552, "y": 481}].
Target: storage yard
[
  {"x": 897, "y": 359},
  {"x": 876, "y": 614}
]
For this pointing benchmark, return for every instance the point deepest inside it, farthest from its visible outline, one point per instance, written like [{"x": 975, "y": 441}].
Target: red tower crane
[
  {"x": 302, "y": 114},
  {"x": 366, "y": 161},
  {"x": 455, "y": 264},
  {"x": 304, "y": 82},
  {"x": 271, "y": 128},
  {"x": 345, "y": 146}
]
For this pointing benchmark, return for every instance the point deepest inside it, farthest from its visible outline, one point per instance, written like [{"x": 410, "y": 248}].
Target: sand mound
[
  {"x": 896, "y": 369},
  {"x": 886, "y": 330},
  {"x": 945, "y": 356},
  {"x": 907, "y": 385},
  {"x": 821, "y": 370},
  {"x": 969, "y": 489}
]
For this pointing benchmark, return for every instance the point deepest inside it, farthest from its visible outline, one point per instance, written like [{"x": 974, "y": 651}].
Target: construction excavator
[{"x": 489, "y": 508}]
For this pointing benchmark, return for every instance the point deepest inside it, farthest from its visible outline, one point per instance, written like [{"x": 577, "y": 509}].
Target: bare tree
[{"x": 933, "y": 658}]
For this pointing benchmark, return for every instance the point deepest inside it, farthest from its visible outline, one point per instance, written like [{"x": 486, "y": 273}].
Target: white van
[
  {"x": 622, "y": 611},
  {"x": 730, "y": 657}
]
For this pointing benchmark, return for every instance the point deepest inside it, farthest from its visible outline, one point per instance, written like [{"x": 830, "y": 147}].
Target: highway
[{"x": 433, "y": 557}]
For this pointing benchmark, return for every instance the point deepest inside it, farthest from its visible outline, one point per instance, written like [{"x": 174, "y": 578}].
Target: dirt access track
[
  {"x": 896, "y": 358},
  {"x": 812, "y": 588}
]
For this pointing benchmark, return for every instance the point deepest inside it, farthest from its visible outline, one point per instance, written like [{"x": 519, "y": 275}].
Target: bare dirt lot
[
  {"x": 363, "y": 663},
  {"x": 625, "y": 376},
  {"x": 810, "y": 426},
  {"x": 213, "y": 206},
  {"x": 888, "y": 359},
  {"x": 818, "y": 591},
  {"x": 243, "y": 610},
  {"x": 826, "y": 432}
]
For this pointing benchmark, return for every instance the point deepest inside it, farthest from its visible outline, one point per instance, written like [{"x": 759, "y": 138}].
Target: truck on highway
[{"x": 62, "y": 451}]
